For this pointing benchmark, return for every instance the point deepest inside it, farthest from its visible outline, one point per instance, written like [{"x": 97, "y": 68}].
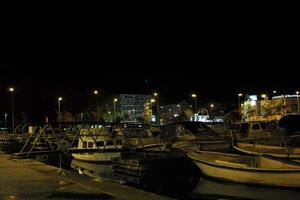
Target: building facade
[
  {"x": 253, "y": 109},
  {"x": 132, "y": 106}
]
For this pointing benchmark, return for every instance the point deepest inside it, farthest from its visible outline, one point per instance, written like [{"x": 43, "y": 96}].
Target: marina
[
  {"x": 150, "y": 107},
  {"x": 142, "y": 157}
]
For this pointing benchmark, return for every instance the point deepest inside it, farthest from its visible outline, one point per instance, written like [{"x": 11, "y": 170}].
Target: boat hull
[
  {"x": 275, "y": 151},
  {"x": 96, "y": 156},
  {"x": 272, "y": 177}
]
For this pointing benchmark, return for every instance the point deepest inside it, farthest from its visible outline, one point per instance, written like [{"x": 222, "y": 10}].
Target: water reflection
[
  {"x": 185, "y": 182},
  {"x": 211, "y": 188},
  {"x": 177, "y": 182},
  {"x": 102, "y": 171}
]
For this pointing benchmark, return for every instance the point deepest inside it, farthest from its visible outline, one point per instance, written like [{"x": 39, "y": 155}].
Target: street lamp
[
  {"x": 5, "y": 119},
  {"x": 151, "y": 104},
  {"x": 58, "y": 101},
  {"x": 211, "y": 109},
  {"x": 297, "y": 92},
  {"x": 12, "y": 90},
  {"x": 97, "y": 105},
  {"x": 264, "y": 96},
  {"x": 195, "y": 96},
  {"x": 115, "y": 100},
  {"x": 239, "y": 103},
  {"x": 155, "y": 94},
  {"x": 81, "y": 117}
]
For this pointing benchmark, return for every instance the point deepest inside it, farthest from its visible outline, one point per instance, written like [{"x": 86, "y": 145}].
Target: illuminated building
[
  {"x": 132, "y": 106},
  {"x": 265, "y": 109}
]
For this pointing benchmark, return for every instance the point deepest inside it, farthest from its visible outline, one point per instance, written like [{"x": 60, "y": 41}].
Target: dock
[{"x": 30, "y": 179}]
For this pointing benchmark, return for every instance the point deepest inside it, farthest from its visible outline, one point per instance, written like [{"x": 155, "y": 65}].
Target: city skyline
[{"x": 47, "y": 57}]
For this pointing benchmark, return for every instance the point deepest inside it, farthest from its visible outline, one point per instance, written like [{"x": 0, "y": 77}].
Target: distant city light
[{"x": 287, "y": 96}]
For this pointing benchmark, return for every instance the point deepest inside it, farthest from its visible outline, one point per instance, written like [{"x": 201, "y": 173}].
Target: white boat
[
  {"x": 247, "y": 169},
  {"x": 275, "y": 151},
  {"x": 102, "y": 144}
]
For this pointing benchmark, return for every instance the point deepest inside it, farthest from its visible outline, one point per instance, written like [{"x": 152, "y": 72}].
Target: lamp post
[
  {"x": 264, "y": 96},
  {"x": 274, "y": 92},
  {"x": 97, "y": 105},
  {"x": 274, "y": 104},
  {"x": 115, "y": 100},
  {"x": 155, "y": 94},
  {"x": 211, "y": 109},
  {"x": 5, "y": 119},
  {"x": 12, "y": 90},
  {"x": 81, "y": 117},
  {"x": 151, "y": 104},
  {"x": 195, "y": 96},
  {"x": 239, "y": 102},
  {"x": 297, "y": 92},
  {"x": 58, "y": 101}
]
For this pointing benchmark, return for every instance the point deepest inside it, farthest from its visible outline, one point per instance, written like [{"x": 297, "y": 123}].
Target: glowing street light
[
  {"x": 211, "y": 109},
  {"x": 12, "y": 90},
  {"x": 96, "y": 92},
  {"x": 155, "y": 94},
  {"x": 264, "y": 96},
  {"x": 58, "y": 101},
  {"x": 115, "y": 100},
  {"x": 195, "y": 96},
  {"x": 239, "y": 102}
]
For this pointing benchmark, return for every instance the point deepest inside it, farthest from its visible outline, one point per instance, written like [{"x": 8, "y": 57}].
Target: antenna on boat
[
  {"x": 232, "y": 138},
  {"x": 286, "y": 148}
]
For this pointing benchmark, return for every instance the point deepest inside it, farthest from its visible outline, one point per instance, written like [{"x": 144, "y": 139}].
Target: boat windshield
[
  {"x": 244, "y": 128},
  {"x": 263, "y": 125}
]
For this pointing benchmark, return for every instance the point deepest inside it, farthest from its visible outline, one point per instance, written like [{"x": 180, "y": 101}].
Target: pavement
[{"x": 29, "y": 179}]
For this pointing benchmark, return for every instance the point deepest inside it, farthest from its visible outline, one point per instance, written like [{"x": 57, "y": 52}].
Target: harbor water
[{"x": 184, "y": 182}]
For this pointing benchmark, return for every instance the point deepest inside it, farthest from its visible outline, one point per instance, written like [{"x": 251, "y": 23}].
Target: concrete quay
[{"x": 30, "y": 179}]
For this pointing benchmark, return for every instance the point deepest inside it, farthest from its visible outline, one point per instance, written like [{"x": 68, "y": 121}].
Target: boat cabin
[{"x": 254, "y": 130}]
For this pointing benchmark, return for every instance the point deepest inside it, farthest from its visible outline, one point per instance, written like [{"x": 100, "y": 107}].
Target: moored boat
[
  {"x": 103, "y": 144},
  {"x": 275, "y": 151},
  {"x": 247, "y": 169}
]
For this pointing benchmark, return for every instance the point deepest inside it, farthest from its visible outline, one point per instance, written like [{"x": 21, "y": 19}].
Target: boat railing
[{"x": 64, "y": 142}]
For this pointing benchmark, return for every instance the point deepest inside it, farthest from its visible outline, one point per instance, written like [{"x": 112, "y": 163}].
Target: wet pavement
[{"x": 29, "y": 179}]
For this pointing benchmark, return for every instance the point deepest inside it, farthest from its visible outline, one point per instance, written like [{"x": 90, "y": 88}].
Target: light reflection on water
[
  {"x": 208, "y": 187},
  {"x": 189, "y": 185}
]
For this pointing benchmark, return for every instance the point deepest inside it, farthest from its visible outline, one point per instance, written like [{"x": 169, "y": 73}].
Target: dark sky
[{"x": 215, "y": 56}]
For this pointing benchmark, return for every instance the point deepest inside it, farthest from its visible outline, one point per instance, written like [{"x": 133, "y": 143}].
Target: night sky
[{"x": 44, "y": 57}]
